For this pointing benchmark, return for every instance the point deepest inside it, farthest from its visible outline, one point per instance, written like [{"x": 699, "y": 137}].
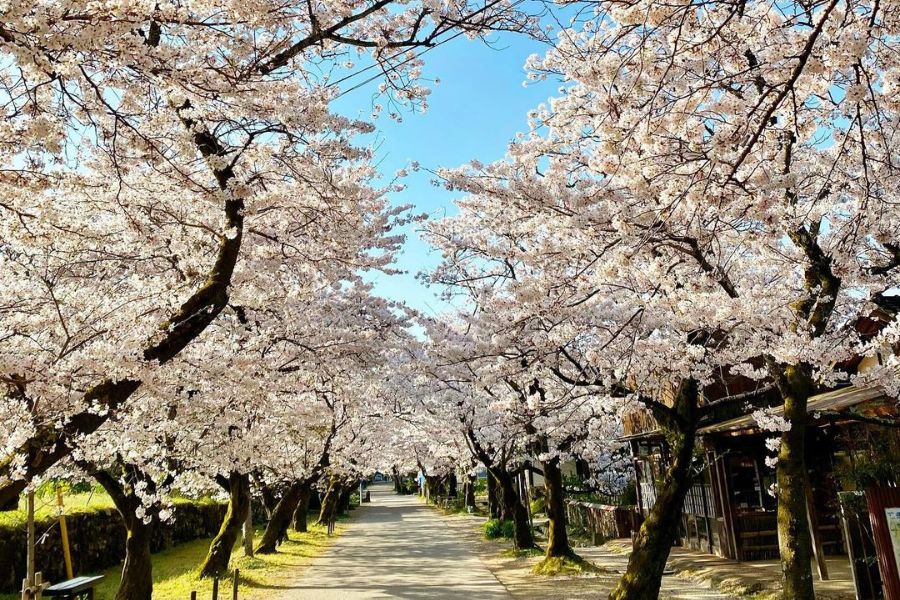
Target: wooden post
[
  {"x": 194, "y": 595},
  {"x": 29, "y": 551},
  {"x": 708, "y": 514},
  {"x": 813, "y": 521},
  {"x": 234, "y": 587},
  {"x": 64, "y": 533},
  {"x": 637, "y": 476},
  {"x": 215, "y": 591},
  {"x": 730, "y": 524}
]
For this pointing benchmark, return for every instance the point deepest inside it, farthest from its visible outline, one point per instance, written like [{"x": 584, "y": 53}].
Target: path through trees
[{"x": 397, "y": 547}]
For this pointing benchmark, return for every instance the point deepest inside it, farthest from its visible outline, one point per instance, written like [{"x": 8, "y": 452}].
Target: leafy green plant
[{"x": 493, "y": 529}]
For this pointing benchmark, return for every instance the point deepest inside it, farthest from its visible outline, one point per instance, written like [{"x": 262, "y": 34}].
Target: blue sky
[{"x": 476, "y": 110}]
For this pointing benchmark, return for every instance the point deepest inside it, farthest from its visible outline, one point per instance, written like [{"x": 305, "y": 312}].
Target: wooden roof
[{"x": 834, "y": 400}]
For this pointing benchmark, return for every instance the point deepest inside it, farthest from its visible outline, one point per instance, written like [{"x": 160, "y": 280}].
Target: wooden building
[
  {"x": 730, "y": 510},
  {"x": 853, "y": 442}
]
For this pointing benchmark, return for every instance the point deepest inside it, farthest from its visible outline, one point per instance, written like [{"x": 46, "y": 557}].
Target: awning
[
  {"x": 640, "y": 436},
  {"x": 829, "y": 401}
]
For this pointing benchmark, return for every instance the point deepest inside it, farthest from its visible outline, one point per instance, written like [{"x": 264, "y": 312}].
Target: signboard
[
  {"x": 893, "y": 524},
  {"x": 884, "y": 511}
]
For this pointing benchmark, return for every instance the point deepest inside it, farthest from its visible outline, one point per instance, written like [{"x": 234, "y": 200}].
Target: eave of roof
[
  {"x": 834, "y": 400},
  {"x": 829, "y": 401}
]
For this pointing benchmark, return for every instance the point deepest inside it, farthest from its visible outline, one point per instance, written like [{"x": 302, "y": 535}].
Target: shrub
[
  {"x": 493, "y": 529},
  {"x": 538, "y": 505}
]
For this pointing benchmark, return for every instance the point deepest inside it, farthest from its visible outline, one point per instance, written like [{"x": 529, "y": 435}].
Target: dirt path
[
  {"x": 515, "y": 573},
  {"x": 397, "y": 548}
]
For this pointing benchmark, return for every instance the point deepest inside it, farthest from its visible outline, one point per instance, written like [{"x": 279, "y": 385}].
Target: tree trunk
[
  {"x": 647, "y": 562},
  {"x": 247, "y": 534},
  {"x": 269, "y": 500},
  {"x": 137, "y": 573},
  {"x": 557, "y": 537},
  {"x": 276, "y": 528},
  {"x": 508, "y": 500},
  {"x": 523, "y": 538},
  {"x": 216, "y": 562},
  {"x": 451, "y": 484},
  {"x": 397, "y": 483},
  {"x": 493, "y": 494},
  {"x": 429, "y": 487},
  {"x": 344, "y": 498},
  {"x": 794, "y": 542},
  {"x": 329, "y": 504},
  {"x": 302, "y": 510},
  {"x": 470, "y": 490}
]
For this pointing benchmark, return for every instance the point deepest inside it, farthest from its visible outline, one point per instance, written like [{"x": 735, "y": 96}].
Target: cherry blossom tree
[
  {"x": 709, "y": 203},
  {"x": 159, "y": 158}
]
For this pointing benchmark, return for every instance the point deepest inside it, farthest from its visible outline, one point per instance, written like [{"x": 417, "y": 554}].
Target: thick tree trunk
[
  {"x": 398, "y": 485},
  {"x": 522, "y": 538},
  {"x": 430, "y": 487},
  {"x": 137, "y": 574},
  {"x": 647, "y": 562},
  {"x": 247, "y": 534},
  {"x": 269, "y": 500},
  {"x": 216, "y": 562},
  {"x": 557, "y": 537},
  {"x": 794, "y": 543},
  {"x": 328, "y": 511},
  {"x": 508, "y": 500},
  {"x": 470, "y": 490},
  {"x": 493, "y": 494},
  {"x": 302, "y": 510},
  {"x": 344, "y": 498},
  {"x": 451, "y": 484},
  {"x": 276, "y": 528}
]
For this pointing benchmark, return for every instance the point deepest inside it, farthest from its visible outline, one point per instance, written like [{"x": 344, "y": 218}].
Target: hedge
[{"x": 97, "y": 540}]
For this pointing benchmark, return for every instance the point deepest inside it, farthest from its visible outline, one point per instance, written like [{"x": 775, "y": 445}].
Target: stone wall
[{"x": 97, "y": 541}]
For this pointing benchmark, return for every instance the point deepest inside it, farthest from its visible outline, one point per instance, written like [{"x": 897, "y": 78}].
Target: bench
[{"x": 78, "y": 588}]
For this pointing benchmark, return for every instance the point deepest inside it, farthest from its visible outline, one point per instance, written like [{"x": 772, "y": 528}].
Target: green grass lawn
[
  {"x": 175, "y": 570},
  {"x": 45, "y": 506}
]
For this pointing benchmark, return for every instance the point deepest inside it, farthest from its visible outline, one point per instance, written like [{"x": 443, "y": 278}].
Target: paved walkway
[{"x": 397, "y": 548}]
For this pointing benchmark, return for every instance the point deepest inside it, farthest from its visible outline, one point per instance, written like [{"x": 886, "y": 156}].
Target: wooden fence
[{"x": 603, "y": 521}]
